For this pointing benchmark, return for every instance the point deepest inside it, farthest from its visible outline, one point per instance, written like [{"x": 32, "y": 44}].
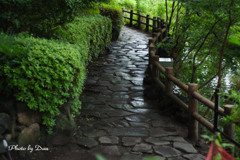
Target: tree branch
[
  {"x": 223, "y": 46},
  {"x": 170, "y": 20}
]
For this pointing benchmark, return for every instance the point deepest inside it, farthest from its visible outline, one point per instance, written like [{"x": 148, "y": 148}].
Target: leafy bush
[
  {"x": 93, "y": 32},
  {"x": 129, "y": 4},
  {"x": 42, "y": 73},
  {"x": 114, "y": 12},
  {"x": 39, "y": 16},
  {"x": 46, "y": 74}
]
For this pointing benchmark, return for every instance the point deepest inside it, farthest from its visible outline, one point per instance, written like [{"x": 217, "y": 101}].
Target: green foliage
[
  {"x": 100, "y": 157},
  {"x": 46, "y": 74},
  {"x": 114, "y": 12},
  {"x": 128, "y": 4},
  {"x": 218, "y": 140},
  {"x": 39, "y": 16},
  {"x": 235, "y": 116},
  {"x": 91, "y": 32}
]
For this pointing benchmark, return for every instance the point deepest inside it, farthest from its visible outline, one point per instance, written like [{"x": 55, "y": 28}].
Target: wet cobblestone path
[{"x": 117, "y": 121}]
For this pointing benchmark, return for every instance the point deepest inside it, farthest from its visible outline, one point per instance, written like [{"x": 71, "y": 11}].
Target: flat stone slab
[
  {"x": 162, "y": 123},
  {"x": 157, "y": 141},
  {"x": 166, "y": 151},
  {"x": 118, "y": 113},
  {"x": 130, "y": 156},
  {"x": 186, "y": 147},
  {"x": 111, "y": 150},
  {"x": 130, "y": 141},
  {"x": 87, "y": 142},
  {"x": 141, "y": 110},
  {"x": 160, "y": 132},
  {"x": 94, "y": 133},
  {"x": 128, "y": 132},
  {"x": 194, "y": 156},
  {"x": 143, "y": 147},
  {"x": 137, "y": 118},
  {"x": 173, "y": 139},
  {"x": 138, "y": 104},
  {"x": 121, "y": 123},
  {"x": 109, "y": 140},
  {"x": 139, "y": 124},
  {"x": 178, "y": 158}
]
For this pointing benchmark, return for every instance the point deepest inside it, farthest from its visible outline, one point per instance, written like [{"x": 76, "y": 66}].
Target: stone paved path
[{"x": 118, "y": 123}]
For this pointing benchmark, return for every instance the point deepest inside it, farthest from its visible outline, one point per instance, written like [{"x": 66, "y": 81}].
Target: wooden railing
[
  {"x": 160, "y": 35},
  {"x": 155, "y": 23},
  {"x": 192, "y": 92}
]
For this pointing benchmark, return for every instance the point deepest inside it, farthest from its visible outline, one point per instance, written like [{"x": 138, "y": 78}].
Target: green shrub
[
  {"x": 114, "y": 12},
  {"x": 94, "y": 32},
  {"x": 45, "y": 74},
  {"x": 129, "y": 4},
  {"x": 39, "y": 16}
]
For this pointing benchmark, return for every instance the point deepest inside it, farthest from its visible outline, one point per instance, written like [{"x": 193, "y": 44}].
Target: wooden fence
[
  {"x": 154, "y": 23},
  {"x": 159, "y": 35}
]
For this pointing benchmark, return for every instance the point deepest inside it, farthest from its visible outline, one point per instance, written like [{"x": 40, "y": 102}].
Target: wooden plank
[
  {"x": 150, "y": 25},
  {"x": 143, "y": 23},
  {"x": 179, "y": 83},
  {"x": 160, "y": 67},
  {"x": 127, "y": 11},
  {"x": 206, "y": 101},
  {"x": 126, "y": 17},
  {"x": 179, "y": 101},
  {"x": 192, "y": 108},
  {"x": 152, "y": 44},
  {"x": 152, "y": 54},
  {"x": 203, "y": 121},
  {"x": 171, "y": 95},
  {"x": 159, "y": 83},
  {"x": 143, "y": 16}
]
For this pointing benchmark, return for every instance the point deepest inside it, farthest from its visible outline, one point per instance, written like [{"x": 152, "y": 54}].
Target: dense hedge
[
  {"x": 39, "y": 16},
  {"x": 94, "y": 32},
  {"x": 114, "y": 12},
  {"x": 45, "y": 74}
]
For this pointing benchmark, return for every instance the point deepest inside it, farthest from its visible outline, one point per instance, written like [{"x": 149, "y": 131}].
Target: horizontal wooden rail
[
  {"x": 206, "y": 102},
  {"x": 178, "y": 100},
  {"x": 203, "y": 121},
  {"x": 155, "y": 24},
  {"x": 179, "y": 83}
]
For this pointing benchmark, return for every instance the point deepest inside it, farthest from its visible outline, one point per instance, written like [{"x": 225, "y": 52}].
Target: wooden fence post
[
  {"x": 229, "y": 129},
  {"x": 158, "y": 22},
  {"x": 168, "y": 85},
  {"x": 155, "y": 36},
  {"x": 162, "y": 23},
  {"x": 155, "y": 71},
  {"x": 168, "y": 82},
  {"x": 131, "y": 17},
  {"x": 147, "y": 23},
  {"x": 154, "y": 28},
  {"x": 150, "y": 49},
  {"x": 192, "y": 108},
  {"x": 123, "y": 14},
  {"x": 161, "y": 27},
  {"x": 139, "y": 20}
]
